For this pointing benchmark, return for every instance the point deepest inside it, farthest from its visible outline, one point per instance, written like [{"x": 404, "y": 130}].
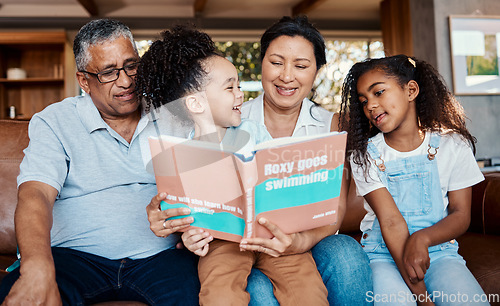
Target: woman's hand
[
  {"x": 196, "y": 240},
  {"x": 416, "y": 257},
  {"x": 158, "y": 222},
  {"x": 280, "y": 244}
]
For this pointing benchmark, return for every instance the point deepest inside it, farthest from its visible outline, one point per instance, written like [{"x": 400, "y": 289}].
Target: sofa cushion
[
  {"x": 482, "y": 255},
  {"x": 476, "y": 221},
  {"x": 13, "y": 139},
  {"x": 6, "y": 260}
]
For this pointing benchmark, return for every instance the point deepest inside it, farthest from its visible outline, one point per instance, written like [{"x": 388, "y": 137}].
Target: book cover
[{"x": 293, "y": 182}]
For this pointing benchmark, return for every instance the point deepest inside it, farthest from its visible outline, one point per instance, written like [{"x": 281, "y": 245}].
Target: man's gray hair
[{"x": 97, "y": 32}]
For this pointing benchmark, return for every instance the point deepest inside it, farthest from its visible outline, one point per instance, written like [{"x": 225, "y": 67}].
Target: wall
[
  {"x": 431, "y": 42},
  {"x": 395, "y": 23}
]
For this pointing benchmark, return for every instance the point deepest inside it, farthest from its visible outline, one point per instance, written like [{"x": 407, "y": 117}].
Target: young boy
[{"x": 183, "y": 72}]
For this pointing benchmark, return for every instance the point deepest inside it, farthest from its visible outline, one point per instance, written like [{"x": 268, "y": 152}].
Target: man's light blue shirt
[{"x": 103, "y": 187}]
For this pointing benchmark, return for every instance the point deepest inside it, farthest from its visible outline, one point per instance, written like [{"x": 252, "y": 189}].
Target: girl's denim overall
[{"x": 413, "y": 182}]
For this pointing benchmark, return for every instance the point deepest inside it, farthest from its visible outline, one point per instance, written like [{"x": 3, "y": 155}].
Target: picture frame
[{"x": 475, "y": 53}]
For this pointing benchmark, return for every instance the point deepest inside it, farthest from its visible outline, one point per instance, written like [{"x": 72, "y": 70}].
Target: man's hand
[
  {"x": 36, "y": 286},
  {"x": 158, "y": 222}
]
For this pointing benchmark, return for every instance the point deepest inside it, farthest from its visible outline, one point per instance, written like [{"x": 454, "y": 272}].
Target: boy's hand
[{"x": 196, "y": 240}]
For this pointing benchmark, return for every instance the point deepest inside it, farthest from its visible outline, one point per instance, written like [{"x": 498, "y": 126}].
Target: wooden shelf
[
  {"x": 48, "y": 61},
  {"x": 33, "y": 37},
  {"x": 32, "y": 80}
]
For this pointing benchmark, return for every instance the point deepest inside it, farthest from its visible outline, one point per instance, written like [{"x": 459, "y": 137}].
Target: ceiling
[{"x": 336, "y": 15}]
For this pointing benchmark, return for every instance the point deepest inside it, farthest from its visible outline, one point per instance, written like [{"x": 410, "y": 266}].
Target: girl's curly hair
[
  {"x": 437, "y": 108},
  {"x": 173, "y": 68}
]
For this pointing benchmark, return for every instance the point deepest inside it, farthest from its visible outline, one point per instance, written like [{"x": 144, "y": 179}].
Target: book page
[
  {"x": 299, "y": 184},
  {"x": 205, "y": 180}
]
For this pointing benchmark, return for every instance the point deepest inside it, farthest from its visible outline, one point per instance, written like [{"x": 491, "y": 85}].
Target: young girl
[
  {"x": 183, "y": 72},
  {"x": 412, "y": 160}
]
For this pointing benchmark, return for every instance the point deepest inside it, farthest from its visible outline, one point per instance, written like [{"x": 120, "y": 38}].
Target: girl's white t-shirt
[{"x": 456, "y": 164}]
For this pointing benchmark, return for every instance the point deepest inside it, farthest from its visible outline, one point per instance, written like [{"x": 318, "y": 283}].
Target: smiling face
[
  {"x": 223, "y": 92},
  {"x": 389, "y": 106},
  {"x": 118, "y": 98},
  {"x": 288, "y": 72}
]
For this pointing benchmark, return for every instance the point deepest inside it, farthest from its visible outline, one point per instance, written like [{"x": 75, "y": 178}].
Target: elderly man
[{"x": 81, "y": 222}]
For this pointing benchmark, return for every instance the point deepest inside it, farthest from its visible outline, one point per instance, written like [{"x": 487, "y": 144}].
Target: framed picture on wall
[{"x": 475, "y": 53}]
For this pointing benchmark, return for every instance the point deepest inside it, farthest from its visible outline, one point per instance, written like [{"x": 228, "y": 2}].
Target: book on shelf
[{"x": 294, "y": 182}]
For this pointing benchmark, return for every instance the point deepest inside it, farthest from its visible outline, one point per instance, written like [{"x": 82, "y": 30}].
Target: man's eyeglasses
[{"x": 111, "y": 75}]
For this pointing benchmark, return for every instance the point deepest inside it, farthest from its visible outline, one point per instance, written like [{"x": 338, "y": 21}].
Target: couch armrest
[
  {"x": 491, "y": 204},
  {"x": 485, "y": 210}
]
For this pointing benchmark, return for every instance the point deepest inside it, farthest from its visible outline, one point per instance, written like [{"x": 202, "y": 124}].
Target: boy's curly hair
[
  {"x": 437, "y": 108},
  {"x": 173, "y": 67}
]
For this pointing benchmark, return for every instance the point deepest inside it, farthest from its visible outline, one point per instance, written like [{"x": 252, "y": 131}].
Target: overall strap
[
  {"x": 375, "y": 155},
  {"x": 433, "y": 146}
]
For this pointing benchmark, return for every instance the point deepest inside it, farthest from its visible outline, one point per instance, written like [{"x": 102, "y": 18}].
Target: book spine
[{"x": 250, "y": 212}]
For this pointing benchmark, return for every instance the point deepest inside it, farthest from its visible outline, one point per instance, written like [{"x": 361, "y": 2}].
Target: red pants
[{"x": 224, "y": 271}]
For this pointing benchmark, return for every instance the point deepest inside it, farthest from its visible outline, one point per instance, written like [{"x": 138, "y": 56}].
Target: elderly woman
[{"x": 292, "y": 52}]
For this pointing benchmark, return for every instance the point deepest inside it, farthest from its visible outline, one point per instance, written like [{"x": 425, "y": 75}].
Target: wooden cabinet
[{"x": 47, "y": 59}]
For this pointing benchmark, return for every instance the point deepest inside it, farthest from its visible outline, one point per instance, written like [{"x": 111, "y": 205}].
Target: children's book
[{"x": 293, "y": 182}]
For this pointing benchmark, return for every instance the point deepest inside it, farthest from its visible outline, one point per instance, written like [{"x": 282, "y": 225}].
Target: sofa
[{"x": 480, "y": 245}]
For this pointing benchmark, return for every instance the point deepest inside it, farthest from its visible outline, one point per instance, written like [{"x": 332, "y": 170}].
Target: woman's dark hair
[
  {"x": 437, "y": 108},
  {"x": 173, "y": 68},
  {"x": 297, "y": 26}
]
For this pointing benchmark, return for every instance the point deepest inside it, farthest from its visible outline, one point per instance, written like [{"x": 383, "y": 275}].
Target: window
[
  {"x": 245, "y": 56},
  {"x": 340, "y": 56}
]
